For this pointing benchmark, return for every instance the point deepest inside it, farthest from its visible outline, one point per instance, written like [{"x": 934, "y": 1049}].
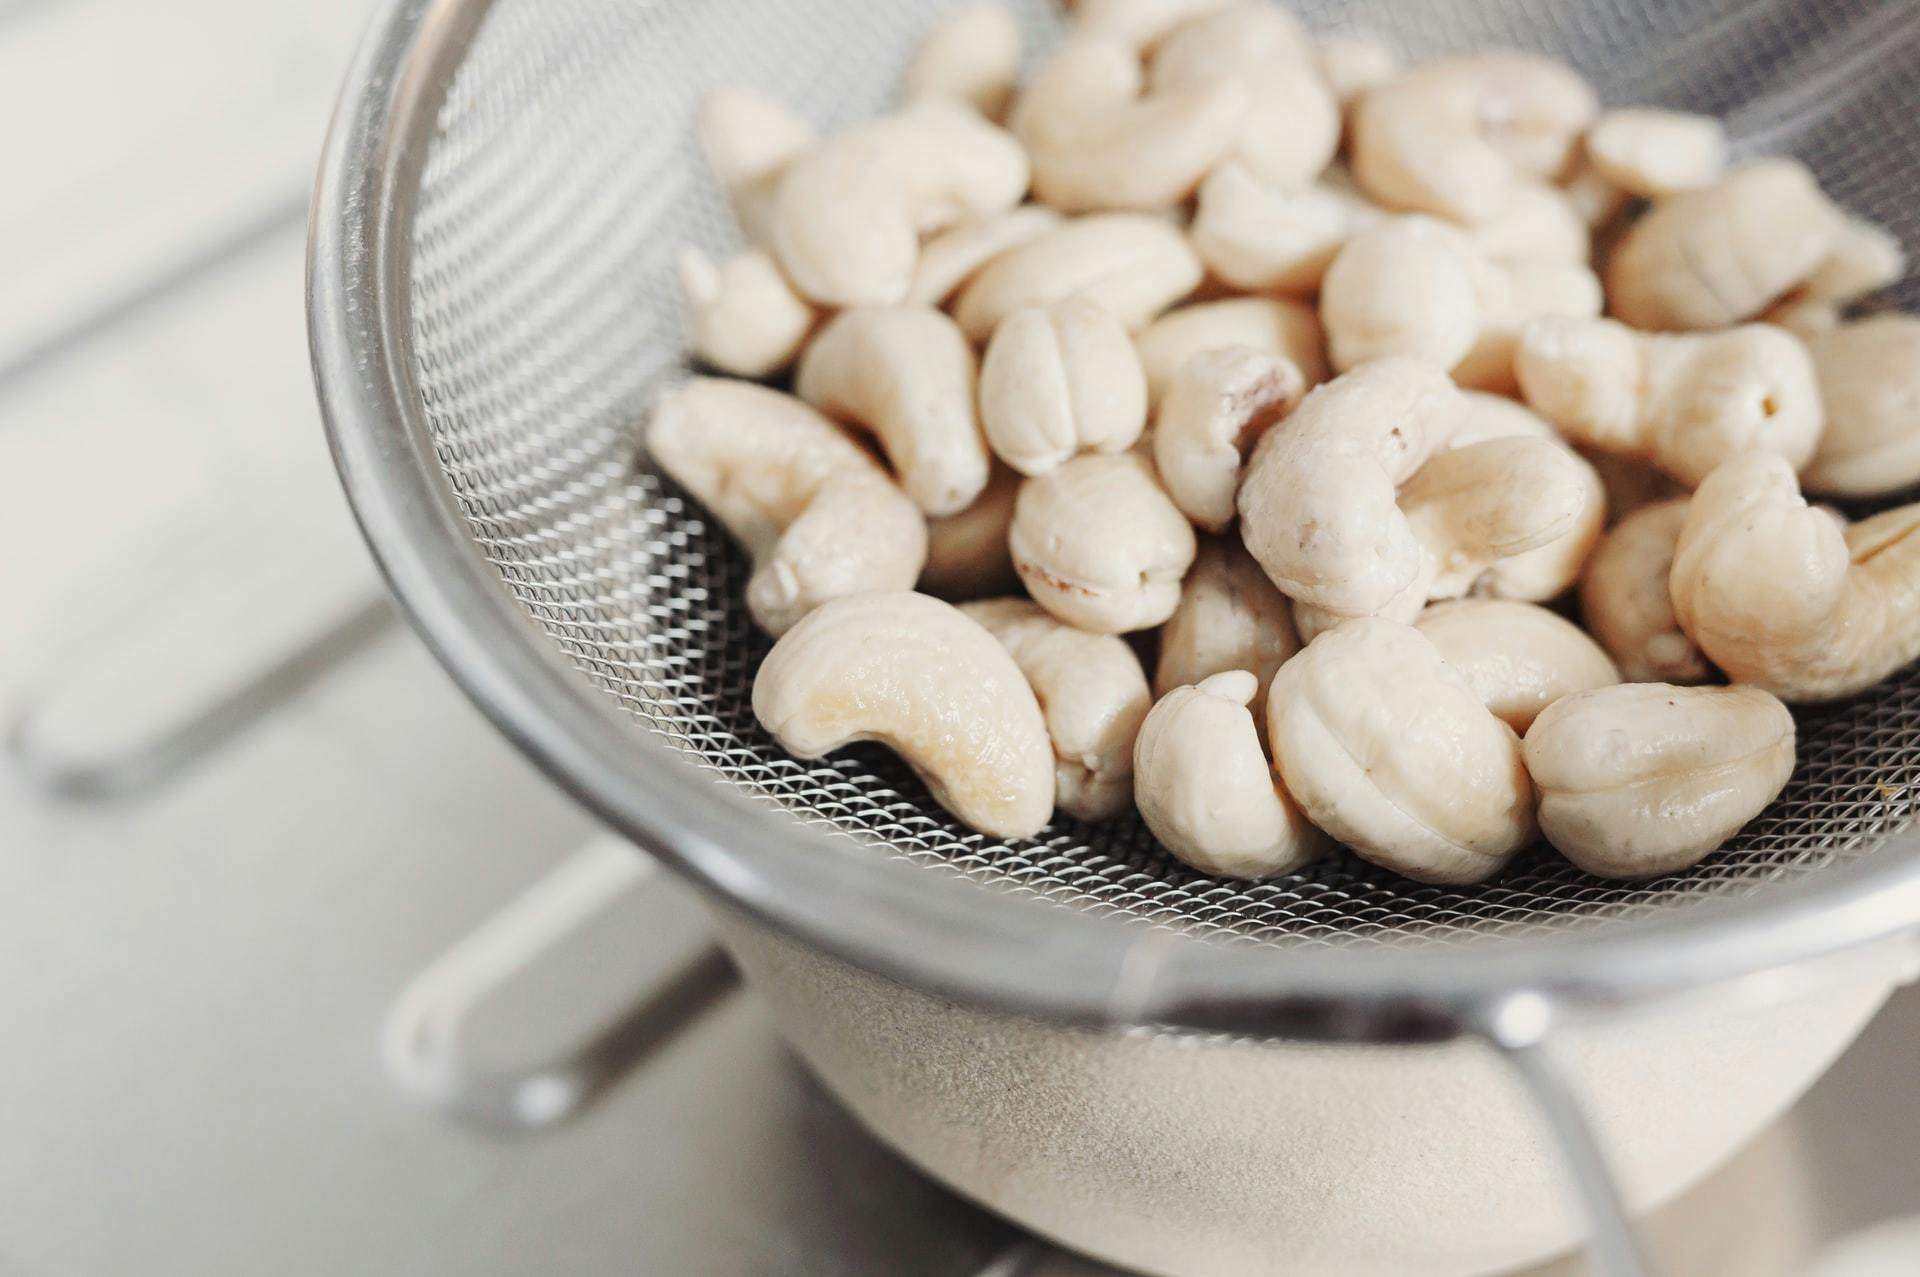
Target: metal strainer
[{"x": 493, "y": 311}]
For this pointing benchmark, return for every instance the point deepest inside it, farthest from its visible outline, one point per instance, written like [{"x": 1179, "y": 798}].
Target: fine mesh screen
[{"x": 546, "y": 320}]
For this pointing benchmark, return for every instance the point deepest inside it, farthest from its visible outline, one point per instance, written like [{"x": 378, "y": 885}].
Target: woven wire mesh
[{"x": 546, "y": 320}]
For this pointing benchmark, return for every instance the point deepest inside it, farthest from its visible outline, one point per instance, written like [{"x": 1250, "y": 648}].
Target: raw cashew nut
[
  {"x": 1219, "y": 404},
  {"x": 1388, "y": 749},
  {"x": 749, "y": 141},
  {"x": 1538, "y": 222},
  {"x": 1643, "y": 779},
  {"x": 1289, "y": 329},
  {"x": 1491, "y": 416},
  {"x": 1870, "y": 382},
  {"x": 1355, "y": 63},
  {"x": 1205, "y": 788},
  {"x": 1451, "y": 137},
  {"x": 1682, "y": 402},
  {"x": 1548, "y": 570},
  {"x": 1317, "y": 504},
  {"x": 907, "y": 374},
  {"x": 972, "y": 55},
  {"x": 1802, "y": 315},
  {"x": 818, "y": 515},
  {"x": 1097, "y": 143},
  {"x": 1653, "y": 153},
  {"x": 922, "y": 679},
  {"x": 1625, "y": 602},
  {"x": 1133, "y": 265},
  {"x": 1230, "y": 618},
  {"x": 1092, "y": 693},
  {"x": 1406, "y": 287},
  {"x": 1778, "y": 596},
  {"x": 949, "y": 259},
  {"x": 1140, "y": 24},
  {"x": 1059, "y": 380},
  {"x": 1864, "y": 258},
  {"x": 1716, "y": 256},
  {"x": 1272, "y": 239},
  {"x": 849, "y": 214},
  {"x": 746, "y": 318},
  {"x": 967, "y": 555},
  {"x": 1518, "y": 658},
  {"x": 1100, "y": 544},
  {"x": 1511, "y": 295}
]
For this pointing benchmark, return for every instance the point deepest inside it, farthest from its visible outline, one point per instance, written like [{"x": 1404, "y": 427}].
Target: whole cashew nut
[
  {"x": 1511, "y": 295},
  {"x": 1274, "y": 325},
  {"x": 1100, "y": 544},
  {"x": 949, "y": 259},
  {"x": 818, "y": 515},
  {"x": 1643, "y": 779},
  {"x": 746, "y": 318},
  {"x": 1777, "y": 595},
  {"x": 1355, "y": 63},
  {"x": 922, "y": 679},
  {"x": 972, "y": 55},
  {"x": 1092, "y": 694},
  {"x": 1625, "y": 602},
  {"x": 1549, "y": 570},
  {"x": 1390, "y": 750},
  {"x": 967, "y": 555},
  {"x": 1405, "y": 287},
  {"x": 1653, "y": 153},
  {"x": 1451, "y": 137},
  {"x": 1230, "y": 618},
  {"x": 750, "y": 141},
  {"x": 1682, "y": 402},
  {"x": 1220, "y": 403},
  {"x": 1272, "y": 239},
  {"x": 1869, "y": 375},
  {"x": 1518, "y": 658},
  {"x": 907, "y": 374},
  {"x": 1059, "y": 380},
  {"x": 1206, "y": 790},
  {"x": 1538, "y": 222},
  {"x": 1133, "y": 265},
  {"x": 1864, "y": 258}
]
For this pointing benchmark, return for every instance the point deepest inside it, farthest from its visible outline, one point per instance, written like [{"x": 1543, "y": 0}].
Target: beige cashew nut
[
  {"x": 1354, "y": 63},
  {"x": 950, "y": 258},
  {"x": 1511, "y": 295},
  {"x": 750, "y": 141},
  {"x": 1272, "y": 239},
  {"x": 1864, "y": 258},
  {"x": 1220, "y": 402},
  {"x": 1060, "y": 380},
  {"x": 1625, "y": 602},
  {"x": 745, "y": 318},
  {"x": 1140, "y": 24},
  {"x": 1538, "y": 222},
  {"x": 1276, "y": 326},
  {"x": 972, "y": 55},
  {"x": 1869, "y": 375},
  {"x": 1653, "y": 153},
  {"x": 1548, "y": 570},
  {"x": 1518, "y": 658},
  {"x": 1230, "y": 618},
  {"x": 919, "y": 677},
  {"x": 967, "y": 555},
  {"x": 1133, "y": 265}
]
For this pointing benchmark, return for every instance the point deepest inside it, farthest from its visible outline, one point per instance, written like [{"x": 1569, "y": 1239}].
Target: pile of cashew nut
[{"x": 1436, "y": 437}]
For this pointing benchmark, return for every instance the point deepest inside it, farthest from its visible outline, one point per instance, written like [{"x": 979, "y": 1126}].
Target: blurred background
[{"x": 302, "y": 969}]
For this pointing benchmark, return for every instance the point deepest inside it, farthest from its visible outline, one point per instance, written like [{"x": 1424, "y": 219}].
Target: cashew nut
[
  {"x": 1219, "y": 404},
  {"x": 1266, "y": 238},
  {"x": 1870, "y": 382},
  {"x": 1538, "y": 221},
  {"x": 949, "y": 259},
  {"x": 1230, "y": 618},
  {"x": 1205, "y": 787},
  {"x": 922, "y": 679},
  {"x": 1100, "y": 544},
  {"x": 1092, "y": 694},
  {"x": 1682, "y": 402},
  {"x": 1388, "y": 749},
  {"x": 1625, "y": 601},
  {"x": 1059, "y": 380},
  {"x": 749, "y": 141},
  {"x": 746, "y": 319},
  {"x": 1354, "y": 63},
  {"x": 907, "y": 374},
  {"x": 1098, "y": 143},
  {"x": 1452, "y": 137},
  {"x": 1140, "y": 24},
  {"x": 967, "y": 555},
  {"x": 1802, "y": 315},
  {"x": 1716, "y": 256},
  {"x": 1653, "y": 153},
  {"x": 1511, "y": 295},
  {"x": 973, "y": 55},
  {"x": 1778, "y": 596},
  {"x": 1518, "y": 658},
  {"x": 1864, "y": 258},
  {"x": 1133, "y": 265},
  {"x": 1276, "y": 326},
  {"x": 818, "y": 515},
  {"x": 1489, "y": 416},
  {"x": 1643, "y": 779},
  {"x": 1597, "y": 200},
  {"x": 848, "y": 214}
]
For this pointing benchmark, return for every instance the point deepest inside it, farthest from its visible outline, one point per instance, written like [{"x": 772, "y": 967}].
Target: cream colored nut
[
  {"x": 907, "y": 374},
  {"x": 818, "y": 515},
  {"x": 1100, "y": 544},
  {"x": 1405, "y": 607},
  {"x": 1510, "y": 295},
  {"x": 1518, "y": 658},
  {"x": 1802, "y": 315},
  {"x": 1271, "y": 239},
  {"x": 746, "y": 318},
  {"x": 1653, "y": 153},
  {"x": 1290, "y": 128},
  {"x": 1276, "y": 326},
  {"x": 1869, "y": 375},
  {"x": 1388, "y": 749},
  {"x": 1092, "y": 693},
  {"x": 1354, "y": 63},
  {"x": 1549, "y": 570},
  {"x": 1230, "y": 618},
  {"x": 1712, "y": 257},
  {"x": 1538, "y": 222},
  {"x": 1864, "y": 258},
  {"x": 1099, "y": 142},
  {"x": 1206, "y": 790},
  {"x": 1625, "y": 601},
  {"x": 1140, "y": 24},
  {"x": 1451, "y": 137},
  {"x": 949, "y": 259},
  {"x": 1778, "y": 596},
  {"x": 1133, "y": 265},
  {"x": 1644, "y": 779},
  {"x": 1406, "y": 287},
  {"x": 1630, "y": 485},
  {"x": 1597, "y": 200},
  {"x": 1317, "y": 503},
  {"x": 967, "y": 554},
  {"x": 849, "y": 214},
  {"x": 1682, "y": 402},
  {"x": 1219, "y": 404},
  {"x": 1060, "y": 380},
  {"x": 1491, "y": 416},
  {"x": 1473, "y": 506},
  {"x": 973, "y": 55},
  {"x": 917, "y": 676},
  {"x": 749, "y": 141}
]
